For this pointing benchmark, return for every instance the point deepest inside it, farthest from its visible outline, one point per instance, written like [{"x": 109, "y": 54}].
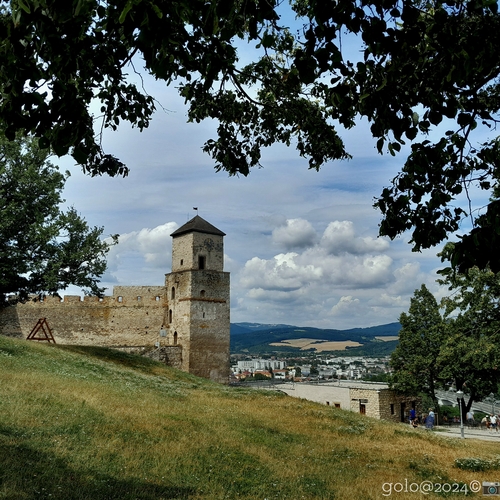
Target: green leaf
[
  {"x": 24, "y": 6},
  {"x": 124, "y": 12}
]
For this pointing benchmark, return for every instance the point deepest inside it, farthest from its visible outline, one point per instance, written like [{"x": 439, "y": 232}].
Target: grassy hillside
[{"x": 94, "y": 424}]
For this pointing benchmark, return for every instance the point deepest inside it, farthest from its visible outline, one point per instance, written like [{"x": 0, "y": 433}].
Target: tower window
[
  {"x": 201, "y": 261},
  {"x": 202, "y": 293},
  {"x": 182, "y": 262},
  {"x": 120, "y": 299},
  {"x": 175, "y": 338},
  {"x": 172, "y": 295},
  {"x": 170, "y": 316}
]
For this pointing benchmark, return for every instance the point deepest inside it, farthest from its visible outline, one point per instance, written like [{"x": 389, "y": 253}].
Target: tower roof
[{"x": 197, "y": 225}]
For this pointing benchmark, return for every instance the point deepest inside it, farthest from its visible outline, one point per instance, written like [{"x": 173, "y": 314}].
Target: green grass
[{"x": 83, "y": 423}]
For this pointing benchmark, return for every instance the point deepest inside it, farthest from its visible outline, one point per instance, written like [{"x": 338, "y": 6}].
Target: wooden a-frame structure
[{"x": 41, "y": 326}]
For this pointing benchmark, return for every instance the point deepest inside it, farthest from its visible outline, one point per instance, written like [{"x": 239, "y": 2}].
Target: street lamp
[
  {"x": 460, "y": 398},
  {"x": 492, "y": 397}
]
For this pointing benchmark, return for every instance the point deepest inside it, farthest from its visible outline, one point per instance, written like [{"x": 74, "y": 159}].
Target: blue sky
[{"x": 301, "y": 245}]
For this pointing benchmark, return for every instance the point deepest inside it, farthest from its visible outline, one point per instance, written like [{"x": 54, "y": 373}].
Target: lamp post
[
  {"x": 460, "y": 398},
  {"x": 492, "y": 397}
]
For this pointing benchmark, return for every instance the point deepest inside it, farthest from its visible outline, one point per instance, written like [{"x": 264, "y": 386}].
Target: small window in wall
[
  {"x": 120, "y": 299},
  {"x": 392, "y": 408},
  {"x": 182, "y": 262},
  {"x": 201, "y": 261},
  {"x": 170, "y": 316},
  {"x": 203, "y": 314},
  {"x": 175, "y": 338},
  {"x": 202, "y": 293},
  {"x": 139, "y": 298},
  {"x": 328, "y": 403},
  {"x": 362, "y": 409},
  {"x": 337, "y": 405},
  {"x": 157, "y": 298},
  {"x": 172, "y": 294}
]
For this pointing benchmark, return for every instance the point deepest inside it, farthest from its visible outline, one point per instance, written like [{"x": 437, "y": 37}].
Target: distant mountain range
[{"x": 255, "y": 338}]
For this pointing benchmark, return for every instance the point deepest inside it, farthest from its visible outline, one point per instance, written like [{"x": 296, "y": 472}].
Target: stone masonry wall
[
  {"x": 384, "y": 403},
  {"x": 132, "y": 316},
  {"x": 171, "y": 355},
  {"x": 210, "y": 320}
]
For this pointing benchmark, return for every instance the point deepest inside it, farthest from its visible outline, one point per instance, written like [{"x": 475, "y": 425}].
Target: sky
[{"x": 301, "y": 245}]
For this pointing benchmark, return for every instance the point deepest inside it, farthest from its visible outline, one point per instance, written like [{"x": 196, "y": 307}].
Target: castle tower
[{"x": 198, "y": 300}]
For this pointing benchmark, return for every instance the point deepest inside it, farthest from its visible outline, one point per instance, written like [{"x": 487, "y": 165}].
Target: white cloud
[
  {"x": 353, "y": 280},
  {"x": 152, "y": 246},
  {"x": 339, "y": 237},
  {"x": 294, "y": 270},
  {"x": 301, "y": 246},
  {"x": 280, "y": 273},
  {"x": 296, "y": 233},
  {"x": 347, "y": 305}
]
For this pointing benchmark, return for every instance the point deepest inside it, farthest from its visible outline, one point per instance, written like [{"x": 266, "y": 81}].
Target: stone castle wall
[
  {"x": 187, "y": 320},
  {"x": 131, "y": 317},
  {"x": 171, "y": 355}
]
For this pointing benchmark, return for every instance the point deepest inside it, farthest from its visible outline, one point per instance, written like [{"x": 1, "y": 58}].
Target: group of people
[
  {"x": 427, "y": 420},
  {"x": 490, "y": 422}
]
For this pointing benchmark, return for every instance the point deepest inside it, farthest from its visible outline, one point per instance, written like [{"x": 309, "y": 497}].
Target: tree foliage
[
  {"x": 460, "y": 347},
  {"x": 415, "y": 359},
  {"x": 471, "y": 353},
  {"x": 425, "y": 66},
  {"x": 42, "y": 249}
]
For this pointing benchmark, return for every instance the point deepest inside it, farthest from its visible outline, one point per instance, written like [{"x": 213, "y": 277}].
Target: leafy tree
[
  {"x": 415, "y": 359},
  {"x": 470, "y": 354},
  {"x": 59, "y": 56},
  {"x": 42, "y": 249}
]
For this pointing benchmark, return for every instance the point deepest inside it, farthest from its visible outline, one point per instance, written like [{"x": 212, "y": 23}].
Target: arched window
[
  {"x": 175, "y": 338},
  {"x": 202, "y": 293},
  {"x": 172, "y": 295},
  {"x": 170, "y": 316}
]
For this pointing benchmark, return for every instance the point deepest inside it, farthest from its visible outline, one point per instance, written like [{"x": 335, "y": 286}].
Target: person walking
[
  {"x": 413, "y": 415},
  {"x": 493, "y": 422},
  {"x": 429, "y": 421}
]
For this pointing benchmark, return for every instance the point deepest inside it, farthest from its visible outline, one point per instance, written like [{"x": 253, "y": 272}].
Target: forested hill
[{"x": 256, "y": 337}]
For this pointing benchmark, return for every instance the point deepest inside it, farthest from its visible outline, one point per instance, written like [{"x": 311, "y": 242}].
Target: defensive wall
[
  {"x": 132, "y": 317},
  {"x": 372, "y": 399},
  {"x": 185, "y": 323}
]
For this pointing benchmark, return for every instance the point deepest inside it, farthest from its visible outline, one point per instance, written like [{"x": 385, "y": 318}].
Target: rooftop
[{"x": 199, "y": 225}]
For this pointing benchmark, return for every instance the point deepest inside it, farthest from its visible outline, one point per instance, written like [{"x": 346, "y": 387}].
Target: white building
[{"x": 260, "y": 364}]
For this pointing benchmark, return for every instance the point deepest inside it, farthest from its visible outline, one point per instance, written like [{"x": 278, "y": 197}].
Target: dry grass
[
  {"x": 318, "y": 345},
  {"x": 96, "y": 424}
]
